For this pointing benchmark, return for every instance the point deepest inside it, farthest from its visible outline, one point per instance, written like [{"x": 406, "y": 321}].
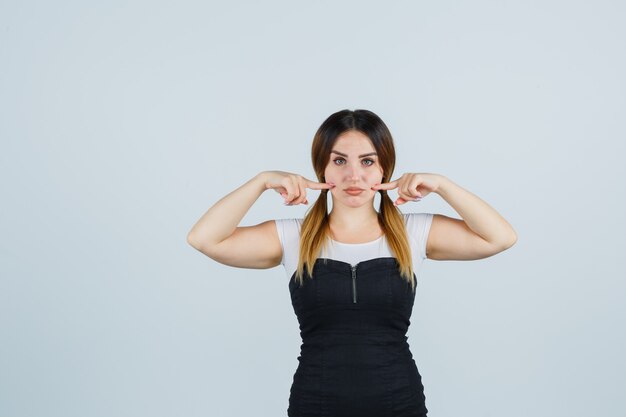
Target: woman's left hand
[{"x": 412, "y": 186}]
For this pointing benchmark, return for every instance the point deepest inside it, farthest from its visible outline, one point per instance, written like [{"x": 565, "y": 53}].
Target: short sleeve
[
  {"x": 280, "y": 229},
  {"x": 426, "y": 221},
  {"x": 418, "y": 227},
  {"x": 289, "y": 236}
]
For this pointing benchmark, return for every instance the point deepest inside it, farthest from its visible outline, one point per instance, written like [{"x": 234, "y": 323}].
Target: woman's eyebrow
[{"x": 360, "y": 156}]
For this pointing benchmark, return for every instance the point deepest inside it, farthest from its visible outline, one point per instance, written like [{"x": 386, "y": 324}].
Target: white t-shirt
[{"x": 417, "y": 226}]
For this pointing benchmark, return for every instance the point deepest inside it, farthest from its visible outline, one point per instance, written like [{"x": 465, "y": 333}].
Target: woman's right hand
[{"x": 292, "y": 186}]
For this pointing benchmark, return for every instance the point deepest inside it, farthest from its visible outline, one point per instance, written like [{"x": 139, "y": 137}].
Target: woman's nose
[{"x": 353, "y": 173}]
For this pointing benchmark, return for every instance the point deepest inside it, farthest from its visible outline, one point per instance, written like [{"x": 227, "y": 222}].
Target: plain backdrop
[{"x": 122, "y": 122}]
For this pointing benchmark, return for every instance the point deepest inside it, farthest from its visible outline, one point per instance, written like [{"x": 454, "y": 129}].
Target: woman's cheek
[
  {"x": 374, "y": 179},
  {"x": 331, "y": 178}
]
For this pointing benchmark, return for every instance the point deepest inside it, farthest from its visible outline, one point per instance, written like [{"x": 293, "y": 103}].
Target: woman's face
[{"x": 353, "y": 164}]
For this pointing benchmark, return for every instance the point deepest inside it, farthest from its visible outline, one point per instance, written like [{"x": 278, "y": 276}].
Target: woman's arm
[
  {"x": 481, "y": 233},
  {"x": 221, "y": 220},
  {"x": 479, "y": 216},
  {"x": 218, "y": 236}
]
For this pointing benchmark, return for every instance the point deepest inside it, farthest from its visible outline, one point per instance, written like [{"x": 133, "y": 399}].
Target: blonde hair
[{"x": 315, "y": 229}]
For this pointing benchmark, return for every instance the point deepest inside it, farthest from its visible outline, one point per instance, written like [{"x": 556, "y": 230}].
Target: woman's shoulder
[
  {"x": 288, "y": 228},
  {"x": 418, "y": 224},
  {"x": 417, "y": 217},
  {"x": 289, "y": 222}
]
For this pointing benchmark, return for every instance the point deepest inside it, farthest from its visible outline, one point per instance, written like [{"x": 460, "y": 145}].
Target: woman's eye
[{"x": 341, "y": 159}]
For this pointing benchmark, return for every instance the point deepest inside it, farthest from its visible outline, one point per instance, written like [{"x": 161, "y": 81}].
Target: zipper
[{"x": 354, "y": 283}]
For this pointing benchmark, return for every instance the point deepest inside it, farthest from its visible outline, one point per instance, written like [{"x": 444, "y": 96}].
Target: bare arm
[
  {"x": 221, "y": 220},
  {"x": 479, "y": 217},
  {"x": 218, "y": 236},
  {"x": 481, "y": 232}
]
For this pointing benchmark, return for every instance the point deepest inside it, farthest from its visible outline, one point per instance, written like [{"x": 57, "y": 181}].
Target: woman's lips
[{"x": 354, "y": 192}]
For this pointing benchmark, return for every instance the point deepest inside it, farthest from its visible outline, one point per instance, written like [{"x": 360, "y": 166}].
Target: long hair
[{"x": 315, "y": 230}]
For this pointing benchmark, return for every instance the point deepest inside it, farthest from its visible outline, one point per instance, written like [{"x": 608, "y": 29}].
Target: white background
[{"x": 123, "y": 122}]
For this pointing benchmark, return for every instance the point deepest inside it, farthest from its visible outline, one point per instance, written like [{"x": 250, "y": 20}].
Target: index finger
[
  {"x": 314, "y": 185},
  {"x": 386, "y": 185}
]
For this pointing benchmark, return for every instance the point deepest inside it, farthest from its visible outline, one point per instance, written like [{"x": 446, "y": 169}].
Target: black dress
[{"x": 354, "y": 359}]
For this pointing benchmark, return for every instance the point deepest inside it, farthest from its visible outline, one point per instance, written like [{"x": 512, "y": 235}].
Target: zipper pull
[{"x": 354, "y": 283}]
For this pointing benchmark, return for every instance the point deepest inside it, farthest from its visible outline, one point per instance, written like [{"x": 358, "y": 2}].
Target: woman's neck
[{"x": 352, "y": 219}]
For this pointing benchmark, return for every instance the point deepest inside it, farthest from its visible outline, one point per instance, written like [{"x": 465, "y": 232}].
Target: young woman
[{"x": 353, "y": 271}]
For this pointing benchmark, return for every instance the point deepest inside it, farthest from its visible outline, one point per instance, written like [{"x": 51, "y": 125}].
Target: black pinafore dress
[{"x": 354, "y": 359}]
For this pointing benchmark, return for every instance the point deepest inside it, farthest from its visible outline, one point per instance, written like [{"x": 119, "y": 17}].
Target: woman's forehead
[{"x": 353, "y": 143}]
